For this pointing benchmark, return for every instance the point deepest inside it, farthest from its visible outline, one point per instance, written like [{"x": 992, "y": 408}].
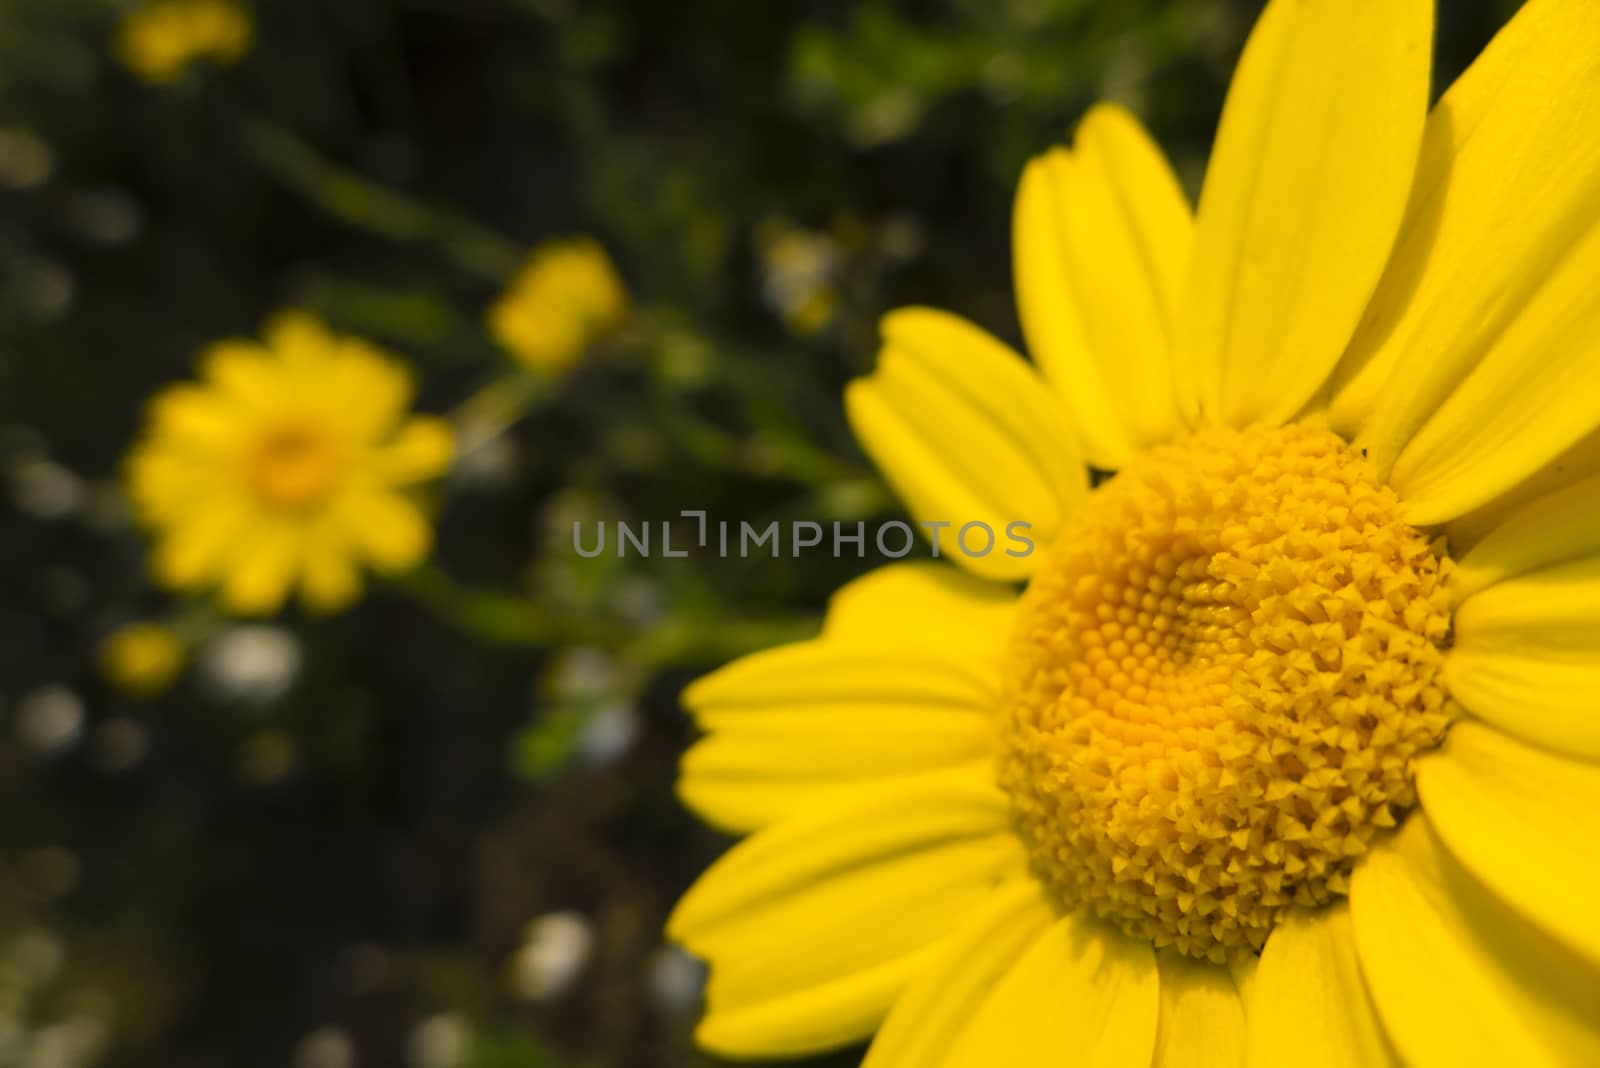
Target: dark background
[{"x": 342, "y": 873}]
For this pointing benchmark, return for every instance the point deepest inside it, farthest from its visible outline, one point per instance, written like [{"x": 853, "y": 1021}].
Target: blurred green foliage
[{"x": 324, "y": 847}]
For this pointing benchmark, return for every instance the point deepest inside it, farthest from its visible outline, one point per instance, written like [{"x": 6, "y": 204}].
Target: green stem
[
  {"x": 495, "y": 408},
  {"x": 684, "y": 642},
  {"x": 509, "y": 620},
  {"x": 359, "y": 201},
  {"x": 494, "y": 617}
]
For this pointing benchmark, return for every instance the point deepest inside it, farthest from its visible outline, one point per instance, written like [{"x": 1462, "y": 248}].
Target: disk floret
[{"x": 1221, "y": 675}]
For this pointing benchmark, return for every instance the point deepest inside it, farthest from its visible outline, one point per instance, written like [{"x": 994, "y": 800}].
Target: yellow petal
[
  {"x": 949, "y": 992},
  {"x": 967, "y": 433},
  {"x": 300, "y": 339},
  {"x": 168, "y": 483},
  {"x": 1304, "y": 196},
  {"x": 1549, "y": 702},
  {"x": 902, "y": 682},
  {"x": 1101, "y": 241},
  {"x": 388, "y": 528},
  {"x": 745, "y": 779},
  {"x": 329, "y": 580},
  {"x": 921, "y": 603},
  {"x": 245, "y": 373},
  {"x": 194, "y": 550},
  {"x": 819, "y": 1015},
  {"x": 1524, "y": 822},
  {"x": 1244, "y": 970},
  {"x": 1553, "y": 610},
  {"x": 196, "y": 419},
  {"x": 1557, "y": 528},
  {"x": 1309, "y": 1005},
  {"x": 802, "y": 725},
  {"x": 1486, "y": 260},
  {"x": 1529, "y": 397},
  {"x": 1578, "y": 462},
  {"x": 826, "y": 674},
  {"x": 262, "y": 567},
  {"x": 1082, "y": 992},
  {"x": 1202, "y": 1016},
  {"x": 365, "y": 389},
  {"x": 1459, "y": 978},
  {"x": 419, "y": 452},
  {"x": 814, "y": 925},
  {"x": 1525, "y": 657}
]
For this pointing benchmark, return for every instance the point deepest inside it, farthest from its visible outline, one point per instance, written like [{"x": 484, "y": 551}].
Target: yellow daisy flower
[
  {"x": 288, "y": 465},
  {"x": 159, "y": 41},
  {"x": 1289, "y": 751},
  {"x": 566, "y": 298}
]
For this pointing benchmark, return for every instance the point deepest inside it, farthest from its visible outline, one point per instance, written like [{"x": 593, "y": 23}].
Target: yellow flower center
[
  {"x": 1221, "y": 674},
  {"x": 294, "y": 465}
]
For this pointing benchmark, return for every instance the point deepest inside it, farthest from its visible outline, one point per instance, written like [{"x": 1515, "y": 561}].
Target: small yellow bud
[
  {"x": 159, "y": 41},
  {"x": 566, "y": 298},
  {"x": 141, "y": 659}
]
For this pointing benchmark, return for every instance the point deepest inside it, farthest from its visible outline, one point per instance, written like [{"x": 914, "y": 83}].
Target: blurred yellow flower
[
  {"x": 289, "y": 464},
  {"x": 158, "y": 41},
  {"x": 141, "y": 659},
  {"x": 567, "y": 297}
]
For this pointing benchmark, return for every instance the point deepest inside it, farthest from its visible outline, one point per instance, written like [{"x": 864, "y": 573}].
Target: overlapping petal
[
  {"x": 1556, "y": 528},
  {"x": 1474, "y": 363},
  {"x": 1303, "y": 197},
  {"x": 1101, "y": 238},
  {"x": 966, "y": 432},
  {"x": 1017, "y": 985},
  {"x": 903, "y": 681},
  {"x": 922, "y": 603},
  {"x": 1202, "y": 1020},
  {"x": 1458, "y": 977},
  {"x": 1532, "y": 394},
  {"x": 1579, "y": 462},
  {"x": 1526, "y": 657},
  {"x": 939, "y": 1003},
  {"x": 1309, "y": 1005},
  {"x": 262, "y": 567},
  {"x": 1524, "y": 822},
  {"x": 813, "y": 926},
  {"x": 1080, "y": 987}
]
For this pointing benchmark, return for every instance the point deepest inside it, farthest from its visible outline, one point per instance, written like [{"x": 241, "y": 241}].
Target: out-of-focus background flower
[{"x": 319, "y": 744}]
